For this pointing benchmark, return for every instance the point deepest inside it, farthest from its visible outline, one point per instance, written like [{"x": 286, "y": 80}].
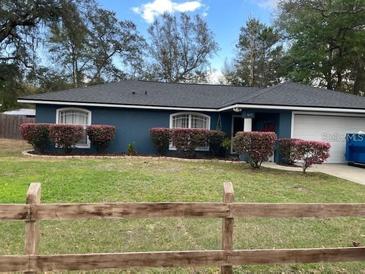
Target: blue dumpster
[{"x": 355, "y": 148}]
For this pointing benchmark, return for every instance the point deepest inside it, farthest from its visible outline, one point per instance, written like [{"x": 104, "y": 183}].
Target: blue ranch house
[{"x": 134, "y": 107}]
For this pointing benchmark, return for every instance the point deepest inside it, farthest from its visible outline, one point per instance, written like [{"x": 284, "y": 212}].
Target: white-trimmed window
[
  {"x": 190, "y": 120},
  {"x": 75, "y": 116}
]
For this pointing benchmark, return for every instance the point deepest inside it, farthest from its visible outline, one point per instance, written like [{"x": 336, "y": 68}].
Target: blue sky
[{"x": 224, "y": 17}]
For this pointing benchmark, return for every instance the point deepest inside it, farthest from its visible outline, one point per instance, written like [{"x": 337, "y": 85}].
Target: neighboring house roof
[
  {"x": 201, "y": 96},
  {"x": 21, "y": 112}
]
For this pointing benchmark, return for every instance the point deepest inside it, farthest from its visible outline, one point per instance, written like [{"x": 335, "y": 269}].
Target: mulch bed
[{"x": 86, "y": 155}]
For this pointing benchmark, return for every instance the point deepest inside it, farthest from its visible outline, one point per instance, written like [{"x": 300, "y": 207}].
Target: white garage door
[{"x": 328, "y": 128}]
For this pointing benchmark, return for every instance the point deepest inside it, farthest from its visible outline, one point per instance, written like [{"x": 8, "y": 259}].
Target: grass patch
[{"x": 99, "y": 180}]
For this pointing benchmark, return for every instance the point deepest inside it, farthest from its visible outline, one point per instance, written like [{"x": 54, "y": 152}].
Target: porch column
[{"x": 247, "y": 124}]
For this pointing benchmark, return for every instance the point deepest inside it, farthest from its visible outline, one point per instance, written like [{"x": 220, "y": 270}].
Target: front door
[{"x": 237, "y": 125}]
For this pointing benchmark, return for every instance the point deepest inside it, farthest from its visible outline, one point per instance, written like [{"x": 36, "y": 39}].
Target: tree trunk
[
  {"x": 359, "y": 84},
  {"x": 76, "y": 73},
  {"x": 74, "y": 67},
  {"x": 328, "y": 73},
  {"x": 73, "y": 74},
  {"x": 339, "y": 80},
  {"x": 252, "y": 71},
  {"x": 329, "y": 79}
]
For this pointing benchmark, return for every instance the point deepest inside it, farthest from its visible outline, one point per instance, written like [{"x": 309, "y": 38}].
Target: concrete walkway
[{"x": 343, "y": 171}]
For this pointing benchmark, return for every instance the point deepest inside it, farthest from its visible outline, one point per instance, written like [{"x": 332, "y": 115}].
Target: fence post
[
  {"x": 31, "y": 224},
  {"x": 227, "y": 227}
]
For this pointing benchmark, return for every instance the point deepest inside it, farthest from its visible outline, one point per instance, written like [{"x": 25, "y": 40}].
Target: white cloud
[
  {"x": 151, "y": 10},
  {"x": 267, "y": 4},
  {"x": 216, "y": 77}
]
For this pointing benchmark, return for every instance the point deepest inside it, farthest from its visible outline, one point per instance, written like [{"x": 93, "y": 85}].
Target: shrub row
[
  {"x": 186, "y": 141},
  {"x": 161, "y": 139},
  {"x": 286, "y": 149},
  {"x": 37, "y": 135},
  {"x": 259, "y": 146},
  {"x": 65, "y": 136},
  {"x": 40, "y": 136},
  {"x": 308, "y": 152}
]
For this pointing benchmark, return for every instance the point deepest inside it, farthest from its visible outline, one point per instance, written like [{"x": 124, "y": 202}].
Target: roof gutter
[
  {"x": 242, "y": 106},
  {"x": 278, "y": 107}
]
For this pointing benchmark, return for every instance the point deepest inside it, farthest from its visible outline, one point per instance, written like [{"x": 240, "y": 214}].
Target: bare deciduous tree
[{"x": 180, "y": 48}]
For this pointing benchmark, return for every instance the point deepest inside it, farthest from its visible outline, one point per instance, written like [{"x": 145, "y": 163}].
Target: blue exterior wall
[
  {"x": 281, "y": 118},
  {"x": 133, "y": 125},
  {"x": 285, "y": 124}
]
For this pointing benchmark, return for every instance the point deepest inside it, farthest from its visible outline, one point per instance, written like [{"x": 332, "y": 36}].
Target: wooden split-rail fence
[{"x": 34, "y": 211}]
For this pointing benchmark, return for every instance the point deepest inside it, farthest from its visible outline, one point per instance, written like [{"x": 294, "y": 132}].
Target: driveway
[
  {"x": 343, "y": 171},
  {"x": 351, "y": 173}
]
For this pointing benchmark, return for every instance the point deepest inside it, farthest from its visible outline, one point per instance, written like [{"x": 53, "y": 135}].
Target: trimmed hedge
[
  {"x": 161, "y": 139},
  {"x": 215, "y": 141},
  {"x": 40, "y": 136},
  {"x": 287, "y": 150},
  {"x": 311, "y": 152},
  {"x": 258, "y": 146},
  {"x": 186, "y": 140},
  {"x": 65, "y": 136},
  {"x": 37, "y": 135},
  {"x": 100, "y": 136}
]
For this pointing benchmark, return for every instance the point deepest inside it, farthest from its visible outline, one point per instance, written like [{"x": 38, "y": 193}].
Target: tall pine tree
[{"x": 258, "y": 59}]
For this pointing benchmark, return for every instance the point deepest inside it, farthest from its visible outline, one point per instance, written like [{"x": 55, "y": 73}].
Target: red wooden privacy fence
[{"x": 34, "y": 211}]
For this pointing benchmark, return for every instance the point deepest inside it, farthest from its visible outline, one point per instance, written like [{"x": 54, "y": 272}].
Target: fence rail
[
  {"x": 33, "y": 211},
  {"x": 9, "y": 125},
  {"x": 204, "y": 210}
]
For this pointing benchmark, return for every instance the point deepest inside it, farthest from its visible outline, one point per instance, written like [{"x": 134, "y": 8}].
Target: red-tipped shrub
[
  {"x": 37, "y": 135},
  {"x": 287, "y": 150},
  {"x": 311, "y": 152},
  {"x": 258, "y": 146},
  {"x": 187, "y": 140},
  {"x": 215, "y": 141},
  {"x": 160, "y": 139},
  {"x": 66, "y": 136},
  {"x": 100, "y": 136}
]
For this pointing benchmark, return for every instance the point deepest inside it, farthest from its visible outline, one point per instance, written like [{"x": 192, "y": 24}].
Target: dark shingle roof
[
  {"x": 131, "y": 92},
  {"x": 147, "y": 93},
  {"x": 294, "y": 94}
]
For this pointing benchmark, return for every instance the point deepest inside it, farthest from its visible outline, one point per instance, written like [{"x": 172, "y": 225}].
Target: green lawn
[{"x": 99, "y": 180}]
